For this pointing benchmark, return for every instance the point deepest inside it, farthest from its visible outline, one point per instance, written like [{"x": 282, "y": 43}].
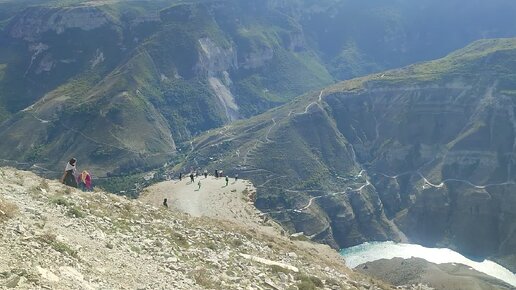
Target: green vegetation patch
[
  {"x": 75, "y": 212},
  {"x": 51, "y": 239},
  {"x": 60, "y": 200}
]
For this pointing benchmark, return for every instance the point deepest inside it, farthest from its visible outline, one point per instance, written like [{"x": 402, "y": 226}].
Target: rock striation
[{"x": 423, "y": 153}]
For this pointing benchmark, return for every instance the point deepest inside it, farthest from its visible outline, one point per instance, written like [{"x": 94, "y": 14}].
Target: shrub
[
  {"x": 277, "y": 269},
  {"x": 75, "y": 212},
  {"x": 51, "y": 239},
  {"x": 204, "y": 279},
  {"x": 237, "y": 242},
  {"x": 305, "y": 285},
  {"x": 7, "y": 210},
  {"x": 60, "y": 200},
  {"x": 309, "y": 282}
]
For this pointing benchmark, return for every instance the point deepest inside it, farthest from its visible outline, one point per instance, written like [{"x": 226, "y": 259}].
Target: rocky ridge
[
  {"x": 427, "y": 149},
  {"x": 55, "y": 237}
]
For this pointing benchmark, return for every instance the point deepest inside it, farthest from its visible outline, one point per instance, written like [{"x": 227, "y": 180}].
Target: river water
[{"x": 373, "y": 251}]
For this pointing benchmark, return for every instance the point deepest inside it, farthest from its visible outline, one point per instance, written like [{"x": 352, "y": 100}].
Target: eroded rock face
[
  {"x": 443, "y": 154},
  {"x": 34, "y": 22},
  {"x": 428, "y": 150},
  {"x": 214, "y": 59}
]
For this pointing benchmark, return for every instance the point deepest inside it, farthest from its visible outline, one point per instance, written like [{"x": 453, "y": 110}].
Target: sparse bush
[
  {"x": 309, "y": 282},
  {"x": 237, "y": 243},
  {"x": 332, "y": 282},
  {"x": 317, "y": 282},
  {"x": 51, "y": 239},
  {"x": 135, "y": 249},
  {"x": 203, "y": 279},
  {"x": 48, "y": 238},
  {"x": 75, "y": 212},
  {"x": 44, "y": 184},
  {"x": 277, "y": 269},
  {"x": 7, "y": 210},
  {"x": 60, "y": 200},
  {"x": 306, "y": 285},
  {"x": 64, "y": 249},
  {"x": 210, "y": 245},
  {"x": 179, "y": 239}
]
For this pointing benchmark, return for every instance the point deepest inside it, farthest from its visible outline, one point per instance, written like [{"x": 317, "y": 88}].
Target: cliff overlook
[{"x": 424, "y": 153}]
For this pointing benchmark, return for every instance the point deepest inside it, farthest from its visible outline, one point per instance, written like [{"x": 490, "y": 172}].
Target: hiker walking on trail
[
  {"x": 216, "y": 173},
  {"x": 236, "y": 177},
  {"x": 180, "y": 176},
  {"x": 227, "y": 180},
  {"x": 205, "y": 173},
  {"x": 69, "y": 174},
  {"x": 192, "y": 178},
  {"x": 199, "y": 185}
]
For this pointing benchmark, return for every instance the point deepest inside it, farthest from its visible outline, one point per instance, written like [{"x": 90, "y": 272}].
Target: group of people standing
[
  {"x": 218, "y": 174},
  {"x": 72, "y": 178}
]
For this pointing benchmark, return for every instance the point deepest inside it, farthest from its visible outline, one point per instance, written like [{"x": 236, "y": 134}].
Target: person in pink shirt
[{"x": 85, "y": 181}]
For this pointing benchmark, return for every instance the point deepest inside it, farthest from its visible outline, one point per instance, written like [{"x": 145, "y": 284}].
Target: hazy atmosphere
[{"x": 258, "y": 144}]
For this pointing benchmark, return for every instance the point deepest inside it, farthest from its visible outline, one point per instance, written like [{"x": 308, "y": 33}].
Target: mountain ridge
[
  {"x": 389, "y": 177},
  {"x": 185, "y": 67}
]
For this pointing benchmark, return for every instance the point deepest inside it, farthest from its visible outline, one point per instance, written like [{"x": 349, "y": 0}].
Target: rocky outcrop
[
  {"x": 34, "y": 22},
  {"x": 96, "y": 240},
  {"x": 427, "y": 150},
  {"x": 214, "y": 59},
  {"x": 215, "y": 62},
  {"x": 437, "y": 276}
]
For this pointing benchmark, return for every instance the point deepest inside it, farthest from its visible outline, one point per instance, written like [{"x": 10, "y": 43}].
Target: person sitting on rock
[
  {"x": 69, "y": 174},
  {"x": 165, "y": 203}
]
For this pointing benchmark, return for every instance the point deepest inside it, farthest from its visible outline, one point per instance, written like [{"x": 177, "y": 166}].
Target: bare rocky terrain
[
  {"x": 55, "y": 237},
  {"x": 440, "y": 276}
]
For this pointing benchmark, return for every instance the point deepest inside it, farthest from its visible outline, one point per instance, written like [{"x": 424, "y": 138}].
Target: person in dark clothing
[
  {"x": 236, "y": 177},
  {"x": 180, "y": 176},
  {"x": 216, "y": 173},
  {"x": 192, "y": 178},
  {"x": 165, "y": 202},
  {"x": 205, "y": 173},
  {"x": 69, "y": 174}
]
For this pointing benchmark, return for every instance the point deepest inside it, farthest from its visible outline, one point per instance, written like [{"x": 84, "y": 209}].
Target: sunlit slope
[{"x": 429, "y": 147}]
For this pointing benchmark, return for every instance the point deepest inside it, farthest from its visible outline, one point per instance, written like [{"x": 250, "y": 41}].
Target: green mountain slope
[
  {"x": 428, "y": 149},
  {"x": 127, "y": 83},
  {"x": 141, "y": 78}
]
